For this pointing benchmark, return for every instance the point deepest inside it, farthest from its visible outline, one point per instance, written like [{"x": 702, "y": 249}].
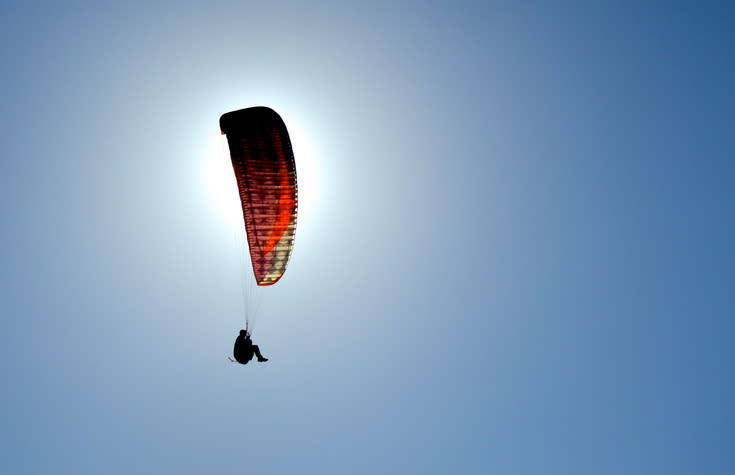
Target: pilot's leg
[{"x": 257, "y": 353}]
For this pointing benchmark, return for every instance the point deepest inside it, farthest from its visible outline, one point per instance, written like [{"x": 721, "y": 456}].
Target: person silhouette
[{"x": 244, "y": 349}]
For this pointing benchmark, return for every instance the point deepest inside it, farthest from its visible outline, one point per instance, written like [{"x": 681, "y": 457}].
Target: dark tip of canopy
[{"x": 249, "y": 118}]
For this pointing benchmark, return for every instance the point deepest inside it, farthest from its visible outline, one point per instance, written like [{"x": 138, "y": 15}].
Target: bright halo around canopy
[
  {"x": 306, "y": 168},
  {"x": 221, "y": 183},
  {"x": 222, "y": 186}
]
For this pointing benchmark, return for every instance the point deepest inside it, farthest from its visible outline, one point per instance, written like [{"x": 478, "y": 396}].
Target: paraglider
[
  {"x": 265, "y": 169},
  {"x": 245, "y": 350}
]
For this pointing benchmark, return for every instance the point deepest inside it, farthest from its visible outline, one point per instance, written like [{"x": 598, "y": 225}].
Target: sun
[
  {"x": 222, "y": 186},
  {"x": 307, "y": 171},
  {"x": 221, "y": 183}
]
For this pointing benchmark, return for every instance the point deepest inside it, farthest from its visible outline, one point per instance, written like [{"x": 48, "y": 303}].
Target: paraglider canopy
[{"x": 264, "y": 166}]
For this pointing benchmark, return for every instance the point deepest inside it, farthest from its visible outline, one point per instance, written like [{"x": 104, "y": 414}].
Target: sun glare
[
  {"x": 306, "y": 169},
  {"x": 221, "y": 183},
  {"x": 222, "y": 186}
]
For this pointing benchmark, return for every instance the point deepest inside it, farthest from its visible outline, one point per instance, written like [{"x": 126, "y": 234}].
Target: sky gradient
[{"x": 514, "y": 250}]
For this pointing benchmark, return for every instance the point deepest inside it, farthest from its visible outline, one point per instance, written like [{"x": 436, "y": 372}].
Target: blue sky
[{"x": 514, "y": 253}]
